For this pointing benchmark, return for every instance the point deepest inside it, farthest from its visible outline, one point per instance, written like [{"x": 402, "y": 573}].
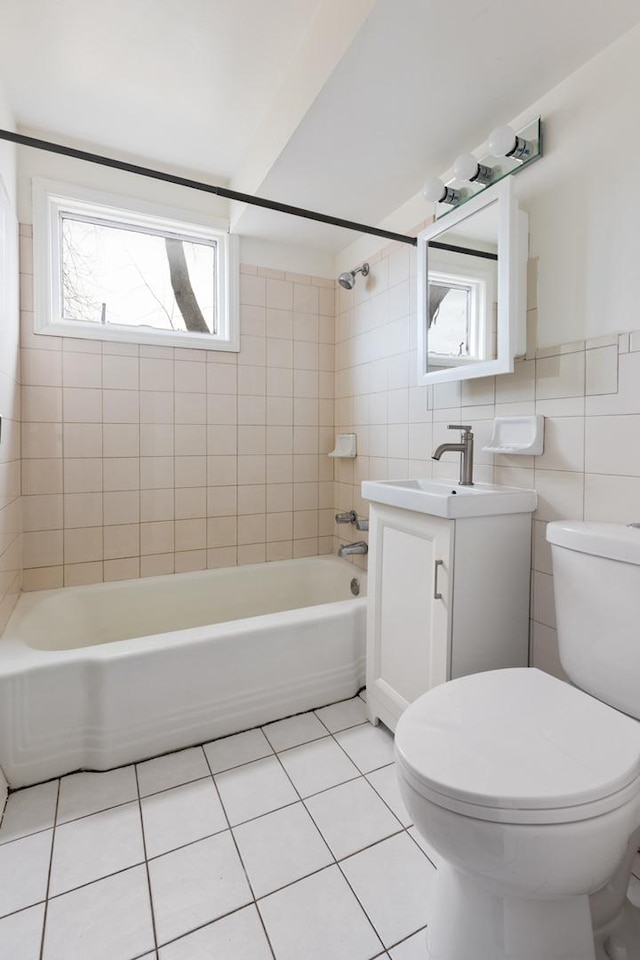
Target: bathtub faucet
[{"x": 348, "y": 549}]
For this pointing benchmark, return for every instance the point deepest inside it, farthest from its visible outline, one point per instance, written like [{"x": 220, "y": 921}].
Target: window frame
[{"x": 52, "y": 200}]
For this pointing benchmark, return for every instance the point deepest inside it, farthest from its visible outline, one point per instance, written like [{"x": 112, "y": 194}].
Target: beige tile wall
[
  {"x": 10, "y": 513},
  {"x": 150, "y": 460},
  {"x": 589, "y": 393}
]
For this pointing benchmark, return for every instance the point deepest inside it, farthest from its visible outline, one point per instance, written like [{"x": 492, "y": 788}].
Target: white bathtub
[{"x": 98, "y": 676}]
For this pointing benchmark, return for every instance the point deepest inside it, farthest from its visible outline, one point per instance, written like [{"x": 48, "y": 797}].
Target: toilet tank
[{"x": 596, "y": 578}]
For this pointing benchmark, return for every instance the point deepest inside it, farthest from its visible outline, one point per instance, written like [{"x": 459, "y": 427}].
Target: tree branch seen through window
[
  {"x": 119, "y": 275},
  {"x": 182, "y": 289}
]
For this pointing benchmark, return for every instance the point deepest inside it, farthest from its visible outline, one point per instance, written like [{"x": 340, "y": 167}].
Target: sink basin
[{"x": 441, "y": 498}]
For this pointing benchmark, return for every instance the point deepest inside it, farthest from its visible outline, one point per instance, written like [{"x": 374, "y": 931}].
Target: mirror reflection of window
[
  {"x": 449, "y": 319},
  {"x": 462, "y": 284},
  {"x": 471, "y": 273}
]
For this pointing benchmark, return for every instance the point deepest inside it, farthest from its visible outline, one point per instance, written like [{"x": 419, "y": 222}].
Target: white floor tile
[
  {"x": 385, "y": 782},
  {"x": 239, "y": 936},
  {"x": 195, "y": 885},
  {"x": 93, "y": 847},
  {"x": 393, "y": 880},
  {"x": 21, "y": 934},
  {"x": 281, "y": 847},
  {"x": 107, "y": 920},
  {"x": 28, "y": 811},
  {"x": 363, "y": 695},
  {"x": 178, "y": 816},
  {"x": 24, "y": 871},
  {"x": 254, "y": 789},
  {"x": 412, "y": 949},
  {"x": 293, "y": 731},
  {"x": 240, "y": 748},
  {"x": 433, "y": 855},
  {"x": 85, "y": 793},
  {"x": 319, "y": 919},
  {"x": 162, "y": 773},
  {"x": 351, "y": 817},
  {"x": 317, "y": 766},
  {"x": 369, "y": 747},
  {"x": 339, "y": 716}
]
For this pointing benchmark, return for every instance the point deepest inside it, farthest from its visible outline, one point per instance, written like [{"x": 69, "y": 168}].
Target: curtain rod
[{"x": 198, "y": 185}]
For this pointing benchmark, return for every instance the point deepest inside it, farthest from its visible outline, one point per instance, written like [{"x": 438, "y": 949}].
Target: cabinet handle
[{"x": 436, "y": 594}]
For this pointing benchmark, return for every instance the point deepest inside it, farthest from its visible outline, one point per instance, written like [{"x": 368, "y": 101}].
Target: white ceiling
[
  {"x": 180, "y": 82},
  {"x": 203, "y": 85}
]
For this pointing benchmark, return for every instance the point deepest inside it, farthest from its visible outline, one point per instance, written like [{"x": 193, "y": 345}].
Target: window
[{"x": 109, "y": 268}]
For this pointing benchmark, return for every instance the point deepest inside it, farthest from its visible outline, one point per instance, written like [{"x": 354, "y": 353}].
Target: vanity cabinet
[{"x": 447, "y": 597}]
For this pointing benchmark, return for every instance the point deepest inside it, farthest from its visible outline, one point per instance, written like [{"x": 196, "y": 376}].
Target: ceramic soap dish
[{"x": 517, "y": 436}]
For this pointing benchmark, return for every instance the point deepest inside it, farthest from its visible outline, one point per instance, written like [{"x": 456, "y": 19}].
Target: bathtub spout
[{"x": 348, "y": 549}]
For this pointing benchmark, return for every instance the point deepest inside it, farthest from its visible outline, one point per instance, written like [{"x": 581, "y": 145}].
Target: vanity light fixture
[
  {"x": 503, "y": 142},
  {"x": 513, "y": 151},
  {"x": 466, "y": 167},
  {"x": 435, "y": 191}
]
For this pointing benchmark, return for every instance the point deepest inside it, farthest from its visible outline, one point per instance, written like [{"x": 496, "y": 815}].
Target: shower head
[{"x": 348, "y": 279}]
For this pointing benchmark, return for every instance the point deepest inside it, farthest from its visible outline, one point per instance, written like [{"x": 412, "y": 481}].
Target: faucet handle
[{"x": 459, "y": 426}]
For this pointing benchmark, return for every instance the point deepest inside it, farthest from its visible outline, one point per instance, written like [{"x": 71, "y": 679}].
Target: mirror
[{"x": 472, "y": 288}]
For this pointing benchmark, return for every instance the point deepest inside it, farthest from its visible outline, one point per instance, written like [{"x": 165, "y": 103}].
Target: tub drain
[{"x": 355, "y": 586}]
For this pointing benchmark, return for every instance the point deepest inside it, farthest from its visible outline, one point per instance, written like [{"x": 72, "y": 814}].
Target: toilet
[{"x": 528, "y": 788}]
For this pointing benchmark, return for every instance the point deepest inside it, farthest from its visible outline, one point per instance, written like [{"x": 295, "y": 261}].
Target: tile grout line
[
  {"x": 335, "y": 861},
  {"x": 360, "y": 775},
  {"x": 235, "y": 843},
  {"x": 46, "y": 896},
  {"x": 403, "y": 829},
  {"x": 146, "y": 863},
  {"x": 193, "y": 746},
  {"x": 114, "y": 806},
  {"x": 408, "y": 937}
]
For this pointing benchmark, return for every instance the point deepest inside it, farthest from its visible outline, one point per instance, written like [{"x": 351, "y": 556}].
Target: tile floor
[{"x": 288, "y": 842}]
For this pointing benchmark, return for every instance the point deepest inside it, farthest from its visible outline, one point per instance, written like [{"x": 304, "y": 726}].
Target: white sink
[{"x": 450, "y": 500}]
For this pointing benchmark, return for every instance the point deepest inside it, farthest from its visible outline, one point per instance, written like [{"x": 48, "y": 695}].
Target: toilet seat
[{"x": 519, "y": 746}]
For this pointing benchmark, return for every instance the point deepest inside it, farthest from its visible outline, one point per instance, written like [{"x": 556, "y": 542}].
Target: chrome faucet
[
  {"x": 465, "y": 447},
  {"x": 351, "y": 516},
  {"x": 348, "y": 549}
]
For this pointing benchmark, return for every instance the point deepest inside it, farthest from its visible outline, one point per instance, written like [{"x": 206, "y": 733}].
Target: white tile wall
[{"x": 589, "y": 393}]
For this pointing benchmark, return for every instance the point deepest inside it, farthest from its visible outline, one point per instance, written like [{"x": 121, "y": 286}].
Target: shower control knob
[{"x": 349, "y": 517}]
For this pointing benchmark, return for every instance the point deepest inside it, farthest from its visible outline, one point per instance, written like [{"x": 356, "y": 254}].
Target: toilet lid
[{"x": 516, "y": 739}]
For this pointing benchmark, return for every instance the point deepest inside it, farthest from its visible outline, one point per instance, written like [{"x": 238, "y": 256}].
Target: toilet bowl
[{"x": 529, "y": 788}]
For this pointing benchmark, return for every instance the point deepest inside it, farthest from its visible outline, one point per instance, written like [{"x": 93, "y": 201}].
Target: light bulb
[
  {"x": 434, "y": 190},
  {"x": 502, "y": 141},
  {"x": 465, "y": 167}
]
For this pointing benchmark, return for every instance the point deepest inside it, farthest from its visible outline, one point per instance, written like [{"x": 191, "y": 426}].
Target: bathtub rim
[{"x": 17, "y": 655}]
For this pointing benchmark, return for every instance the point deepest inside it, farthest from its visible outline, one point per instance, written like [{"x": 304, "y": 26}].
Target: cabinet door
[{"x": 408, "y": 614}]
